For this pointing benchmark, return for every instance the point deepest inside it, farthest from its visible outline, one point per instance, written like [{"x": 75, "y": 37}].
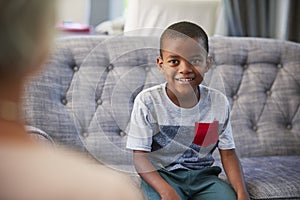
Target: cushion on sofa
[
  {"x": 271, "y": 177},
  {"x": 275, "y": 177},
  {"x": 261, "y": 79}
]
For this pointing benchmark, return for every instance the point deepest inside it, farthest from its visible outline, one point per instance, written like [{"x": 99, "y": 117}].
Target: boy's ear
[
  {"x": 159, "y": 62},
  {"x": 209, "y": 62}
]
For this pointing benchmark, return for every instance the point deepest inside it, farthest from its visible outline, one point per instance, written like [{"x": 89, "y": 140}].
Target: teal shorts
[{"x": 201, "y": 184}]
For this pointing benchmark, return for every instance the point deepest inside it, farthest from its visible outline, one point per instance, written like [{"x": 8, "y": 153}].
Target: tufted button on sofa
[{"x": 84, "y": 96}]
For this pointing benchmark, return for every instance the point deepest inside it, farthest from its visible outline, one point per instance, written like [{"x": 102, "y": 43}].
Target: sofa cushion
[
  {"x": 261, "y": 78},
  {"x": 275, "y": 177},
  {"x": 84, "y": 97},
  {"x": 45, "y": 103}
]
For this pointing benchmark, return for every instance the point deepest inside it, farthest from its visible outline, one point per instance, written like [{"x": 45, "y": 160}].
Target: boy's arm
[
  {"x": 234, "y": 173},
  {"x": 150, "y": 175}
]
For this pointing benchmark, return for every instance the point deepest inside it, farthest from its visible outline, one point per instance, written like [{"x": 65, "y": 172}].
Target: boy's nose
[{"x": 186, "y": 67}]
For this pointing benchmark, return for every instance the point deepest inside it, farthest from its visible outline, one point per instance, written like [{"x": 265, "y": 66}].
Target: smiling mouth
[{"x": 184, "y": 80}]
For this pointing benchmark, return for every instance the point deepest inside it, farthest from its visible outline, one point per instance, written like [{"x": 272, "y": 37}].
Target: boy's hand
[
  {"x": 243, "y": 196},
  {"x": 170, "y": 194},
  {"x": 150, "y": 175},
  {"x": 234, "y": 172}
]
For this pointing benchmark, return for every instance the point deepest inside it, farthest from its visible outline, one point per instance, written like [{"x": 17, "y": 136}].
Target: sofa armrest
[{"x": 39, "y": 135}]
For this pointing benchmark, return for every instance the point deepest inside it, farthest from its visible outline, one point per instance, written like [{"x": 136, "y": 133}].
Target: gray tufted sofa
[{"x": 84, "y": 97}]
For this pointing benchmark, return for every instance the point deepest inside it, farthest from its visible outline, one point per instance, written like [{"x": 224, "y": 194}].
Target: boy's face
[{"x": 184, "y": 62}]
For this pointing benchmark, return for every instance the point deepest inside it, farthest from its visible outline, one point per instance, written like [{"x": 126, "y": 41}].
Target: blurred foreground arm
[{"x": 39, "y": 173}]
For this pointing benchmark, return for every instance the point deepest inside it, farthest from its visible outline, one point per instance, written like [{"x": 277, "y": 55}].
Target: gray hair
[{"x": 27, "y": 28}]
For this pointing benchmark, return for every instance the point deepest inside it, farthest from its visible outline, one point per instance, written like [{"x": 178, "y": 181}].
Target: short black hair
[{"x": 184, "y": 29}]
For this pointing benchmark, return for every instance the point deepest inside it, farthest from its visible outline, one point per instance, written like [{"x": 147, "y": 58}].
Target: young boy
[{"x": 176, "y": 126}]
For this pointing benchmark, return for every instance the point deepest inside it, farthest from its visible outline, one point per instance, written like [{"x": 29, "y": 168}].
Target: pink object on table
[{"x": 73, "y": 27}]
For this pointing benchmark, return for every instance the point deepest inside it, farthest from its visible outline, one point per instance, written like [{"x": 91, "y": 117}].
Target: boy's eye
[
  {"x": 173, "y": 62},
  {"x": 196, "y": 62}
]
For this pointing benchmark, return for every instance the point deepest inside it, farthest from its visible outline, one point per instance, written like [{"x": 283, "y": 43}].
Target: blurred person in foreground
[{"x": 30, "y": 171}]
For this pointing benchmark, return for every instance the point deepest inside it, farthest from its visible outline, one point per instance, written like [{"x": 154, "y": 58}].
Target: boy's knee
[
  {"x": 224, "y": 191},
  {"x": 217, "y": 190}
]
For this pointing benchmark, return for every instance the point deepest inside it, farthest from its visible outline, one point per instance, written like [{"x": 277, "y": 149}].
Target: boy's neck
[{"x": 186, "y": 100}]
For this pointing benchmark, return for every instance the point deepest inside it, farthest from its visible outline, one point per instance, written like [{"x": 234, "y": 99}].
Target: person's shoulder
[
  {"x": 22, "y": 164},
  {"x": 150, "y": 92}
]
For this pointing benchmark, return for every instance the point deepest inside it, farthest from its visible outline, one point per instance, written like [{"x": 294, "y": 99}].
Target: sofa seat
[{"x": 275, "y": 177}]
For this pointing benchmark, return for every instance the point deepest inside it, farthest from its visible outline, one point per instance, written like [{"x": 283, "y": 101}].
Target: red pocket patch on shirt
[{"x": 206, "y": 134}]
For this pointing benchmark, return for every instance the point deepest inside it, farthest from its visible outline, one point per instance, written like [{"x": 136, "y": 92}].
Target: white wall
[
  {"x": 150, "y": 17},
  {"x": 103, "y": 10},
  {"x": 74, "y": 10}
]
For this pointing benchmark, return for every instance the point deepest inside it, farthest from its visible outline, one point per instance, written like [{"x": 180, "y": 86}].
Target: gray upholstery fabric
[
  {"x": 273, "y": 177},
  {"x": 84, "y": 97},
  {"x": 261, "y": 78},
  {"x": 39, "y": 135}
]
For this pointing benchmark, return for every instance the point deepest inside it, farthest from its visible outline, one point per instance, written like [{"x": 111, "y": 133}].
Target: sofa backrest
[
  {"x": 261, "y": 78},
  {"x": 83, "y": 99}
]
